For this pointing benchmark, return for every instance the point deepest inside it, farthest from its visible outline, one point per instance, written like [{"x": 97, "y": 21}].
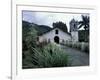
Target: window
[{"x": 56, "y": 31}]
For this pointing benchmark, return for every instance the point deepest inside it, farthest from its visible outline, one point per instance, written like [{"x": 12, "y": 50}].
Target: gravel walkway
[{"x": 76, "y": 57}]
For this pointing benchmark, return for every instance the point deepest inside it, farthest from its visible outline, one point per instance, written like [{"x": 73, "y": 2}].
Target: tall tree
[
  {"x": 84, "y": 22},
  {"x": 60, "y": 25}
]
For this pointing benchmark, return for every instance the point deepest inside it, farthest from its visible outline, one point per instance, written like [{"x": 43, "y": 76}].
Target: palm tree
[{"x": 84, "y": 23}]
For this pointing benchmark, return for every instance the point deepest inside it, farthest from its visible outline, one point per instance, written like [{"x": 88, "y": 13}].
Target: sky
[{"x": 47, "y": 18}]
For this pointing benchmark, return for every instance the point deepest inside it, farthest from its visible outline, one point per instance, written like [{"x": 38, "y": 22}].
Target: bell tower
[{"x": 74, "y": 30}]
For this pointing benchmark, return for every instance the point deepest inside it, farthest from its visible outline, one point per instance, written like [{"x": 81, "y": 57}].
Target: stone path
[{"x": 76, "y": 57}]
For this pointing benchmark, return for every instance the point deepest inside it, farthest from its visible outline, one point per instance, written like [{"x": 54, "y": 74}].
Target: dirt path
[{"x": 76, "y": 57}]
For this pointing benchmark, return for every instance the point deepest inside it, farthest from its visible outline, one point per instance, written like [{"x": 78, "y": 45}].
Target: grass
[{"x": 50, "y": 56}]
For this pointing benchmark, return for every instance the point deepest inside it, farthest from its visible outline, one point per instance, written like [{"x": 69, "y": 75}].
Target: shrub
[
  {"x": 74, "y": 45},
  {"x": 86, "y": 47},
  {"x": 78, "y": 46},
  {"x": 69, "y": 43},
  {"x": 27, "y": 60},
  {"x": 50, "y": 56},
  {"x": 42, "y": 44}
]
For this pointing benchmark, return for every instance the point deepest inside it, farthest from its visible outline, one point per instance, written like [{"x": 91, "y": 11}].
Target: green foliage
[
  {"x": 50, "y": 56},
  {"x": 27, "y": 60},
  {"x": 34, "y": 56},
  {"x": 60, "y": 25},
  {"x": 85, "y": 47},
  {"x": 39, "y": 28},
  {"x": 42, "y": 29},
  {"x": 29, "y": 37},
  {"x": 83, "y": 35},
  {"x": 85, "y": 22}
]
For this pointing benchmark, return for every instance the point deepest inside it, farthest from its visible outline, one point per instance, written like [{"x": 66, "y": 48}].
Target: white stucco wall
[
  {"x": 50, "y": 35},
  {"x": 74, "y": 35}
]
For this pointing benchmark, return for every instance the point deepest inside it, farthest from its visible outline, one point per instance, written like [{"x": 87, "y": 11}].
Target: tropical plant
[
  {"x": 84, "y": 22},
  {"x": 50, "y": 56}
]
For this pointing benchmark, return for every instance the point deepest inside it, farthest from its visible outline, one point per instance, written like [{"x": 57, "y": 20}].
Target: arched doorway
[{"x": 56, "y": 39}]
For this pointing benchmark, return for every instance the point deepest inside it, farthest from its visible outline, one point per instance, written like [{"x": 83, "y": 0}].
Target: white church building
[{"x": 56, "y": 35}]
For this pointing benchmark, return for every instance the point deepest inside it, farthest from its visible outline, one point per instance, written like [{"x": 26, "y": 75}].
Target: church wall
[
  {"x": 50, "y": 36},
  {"x": 74, "y": 36}
]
